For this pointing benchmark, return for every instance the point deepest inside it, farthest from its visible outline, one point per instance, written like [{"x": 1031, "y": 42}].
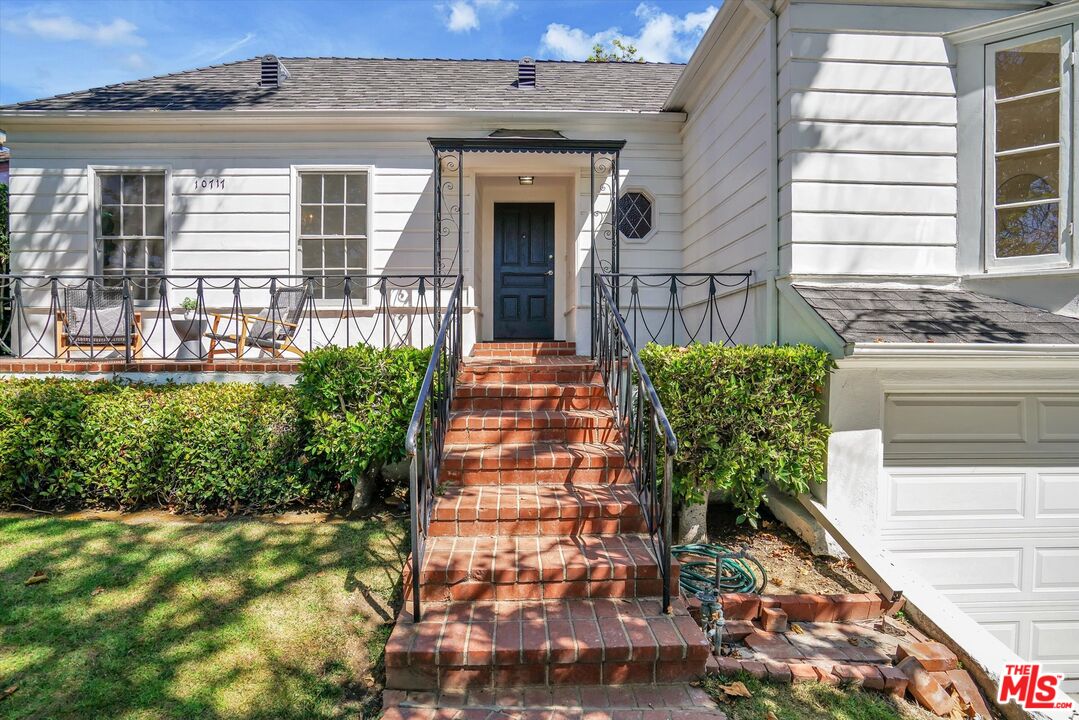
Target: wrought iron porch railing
[
  {"x": 648, "y": 440},
  {"x": 681, "y": 308},
  {"x": 427, "y": 430},
  {"x": 193, "y": 318}
]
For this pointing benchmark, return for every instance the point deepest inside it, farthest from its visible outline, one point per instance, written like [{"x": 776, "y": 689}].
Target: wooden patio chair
[
  {"x": 273, "y": 331},
  {"x": 92, "y": 320}
]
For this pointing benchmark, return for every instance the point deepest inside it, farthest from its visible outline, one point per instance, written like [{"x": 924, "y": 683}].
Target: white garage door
[{"x": 982, "y": 498}]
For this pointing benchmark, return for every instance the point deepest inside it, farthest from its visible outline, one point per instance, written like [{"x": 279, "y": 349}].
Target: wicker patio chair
[
  {"x": 92, "y": 321},
  {"x": 273, "y": 331}
]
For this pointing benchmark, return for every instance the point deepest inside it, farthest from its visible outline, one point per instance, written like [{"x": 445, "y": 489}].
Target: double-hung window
[
  {"x": 1028, "y": 130},
  {"x": 333, "y": 230},
  {"x": 130, "y": 229}
]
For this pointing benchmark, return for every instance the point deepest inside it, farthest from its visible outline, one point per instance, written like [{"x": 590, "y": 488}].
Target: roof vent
[
  {"x": 526, "y": 73},
  {"x": 273, "y": 73}
]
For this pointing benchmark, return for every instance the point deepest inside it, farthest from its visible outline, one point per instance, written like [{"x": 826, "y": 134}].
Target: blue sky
[{"x": 53, "y": 47}]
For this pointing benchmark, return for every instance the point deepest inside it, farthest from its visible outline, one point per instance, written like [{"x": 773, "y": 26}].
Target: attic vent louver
[
  {"x": 273, "y": 73},
  {"x": 526, "y": 73}
]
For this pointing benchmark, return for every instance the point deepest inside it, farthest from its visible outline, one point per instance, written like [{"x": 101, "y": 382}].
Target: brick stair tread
[
  {"x": 486, "y": 634},
  {"x": 470, "y": 503},
  {"x": 524, "y": 419},
  {"x": 509, "y": 560},
  {"x": 529, "y": 361},
  {"x": 533, "y": 455},
  {"x": 596, "y": 702},
  {"x": 530, "y": 390}
]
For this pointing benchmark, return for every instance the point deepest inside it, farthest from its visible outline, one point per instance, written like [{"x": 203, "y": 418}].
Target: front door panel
[{"x": 524, "y": 271}]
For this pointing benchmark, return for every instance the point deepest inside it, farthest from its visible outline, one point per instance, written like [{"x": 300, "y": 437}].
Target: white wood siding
[
  {"x": 868, "y": 139},
  {"x": 247, "y": 227},
  {"x": 727, "y": 153}
]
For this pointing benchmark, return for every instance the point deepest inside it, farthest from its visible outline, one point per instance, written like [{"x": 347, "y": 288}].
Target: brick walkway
[{"x": 537, "y": 573}]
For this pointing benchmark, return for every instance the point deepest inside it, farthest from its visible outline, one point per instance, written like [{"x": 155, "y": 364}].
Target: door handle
[{"x": 549, "y": 272}]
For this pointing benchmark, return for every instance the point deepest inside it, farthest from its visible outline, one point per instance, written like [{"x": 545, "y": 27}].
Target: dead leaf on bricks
[
  {"x": 736, "y": 689},
  {"x": 8, "y": 692},
  {"x": 961, "y": 709},
  {"x": 39, "y": 576},
  {"x": 797, "y": 629}
]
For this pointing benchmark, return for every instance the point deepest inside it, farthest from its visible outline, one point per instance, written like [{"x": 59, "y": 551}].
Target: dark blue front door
[{"x": 524, "y": 271}]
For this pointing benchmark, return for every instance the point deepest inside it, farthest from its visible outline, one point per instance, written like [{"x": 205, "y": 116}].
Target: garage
[{"x": 981, "y": 497}]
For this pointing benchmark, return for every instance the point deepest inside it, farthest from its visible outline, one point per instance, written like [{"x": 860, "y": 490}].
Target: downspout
[{"x": 763, "y": 8}]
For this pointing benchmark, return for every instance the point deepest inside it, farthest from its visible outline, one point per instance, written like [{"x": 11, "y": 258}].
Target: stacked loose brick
[{"x": 538, "y": 570}]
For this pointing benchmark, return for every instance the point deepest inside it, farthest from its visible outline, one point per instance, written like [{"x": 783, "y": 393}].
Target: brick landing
[
  {"x": 538, "y": 577},
  {"x": 627, "y": 702}
]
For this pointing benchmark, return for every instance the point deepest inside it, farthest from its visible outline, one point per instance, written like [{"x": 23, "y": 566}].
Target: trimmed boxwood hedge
[
  {"x": 743, "y": 416},
  {"x": 198, "y": 448}
]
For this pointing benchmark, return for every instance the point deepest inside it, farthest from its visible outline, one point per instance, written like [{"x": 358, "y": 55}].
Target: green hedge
[
  {"x": 197, "y": 448},
  {"x": 743, "y": 415},
  {"x": 355, "y": 404}
]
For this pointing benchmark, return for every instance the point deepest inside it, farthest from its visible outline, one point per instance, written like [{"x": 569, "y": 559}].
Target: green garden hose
[{"x": 736, "y": 576}]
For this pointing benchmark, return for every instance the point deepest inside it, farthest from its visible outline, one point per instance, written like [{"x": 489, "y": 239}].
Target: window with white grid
[
  {"x": 130, "y": 228},
  {"x": 333, "y": 229}
]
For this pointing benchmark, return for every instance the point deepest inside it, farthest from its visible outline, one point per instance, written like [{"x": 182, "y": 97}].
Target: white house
[{"x": 897, "y": 179}]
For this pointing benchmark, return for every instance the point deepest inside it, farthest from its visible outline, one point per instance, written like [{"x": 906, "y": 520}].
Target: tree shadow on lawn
[{"x": 223, "y": 620}]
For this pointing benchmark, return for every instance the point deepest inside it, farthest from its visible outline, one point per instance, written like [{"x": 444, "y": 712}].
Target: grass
[
  {"x": 809, "y": 701},
  {"x": 237, "y": 619}
]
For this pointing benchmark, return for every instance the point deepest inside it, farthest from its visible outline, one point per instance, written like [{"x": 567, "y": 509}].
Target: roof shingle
[
  {"x": 876, "y": 315},
  {"x": 387, "y": 84}
]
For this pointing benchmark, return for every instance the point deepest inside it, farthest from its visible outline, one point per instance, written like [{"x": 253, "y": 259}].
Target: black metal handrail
[
  {"x": 175, "y": 317},
  {"x": 426, "y": 435},
  {"x": 646, "y": 432}
]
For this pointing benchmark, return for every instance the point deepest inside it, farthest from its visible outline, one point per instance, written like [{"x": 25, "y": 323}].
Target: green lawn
[
  {"x": 810, "y": 701},
  {"x": 238, "y": 619}
]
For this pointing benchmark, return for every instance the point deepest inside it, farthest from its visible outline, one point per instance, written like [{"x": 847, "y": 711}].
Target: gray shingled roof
[
  {"x": 870, "y": 315},
  {"x": 361, "y": 83}
]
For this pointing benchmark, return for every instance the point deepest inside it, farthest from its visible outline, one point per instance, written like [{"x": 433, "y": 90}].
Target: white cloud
[
  {"x": 66, "y": 28},
  {"x": 135, "y": 61},
  {"x": 464, "y": 15},
  {"x": 662, "y": 37},
  {"x": 232, "y": 47}
]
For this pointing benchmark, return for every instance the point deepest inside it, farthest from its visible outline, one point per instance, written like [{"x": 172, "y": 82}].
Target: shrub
[
  {"x": 743, "y": 416},
  {"x": 67, "y": 443},
  {"x": 355, "y": 404}
]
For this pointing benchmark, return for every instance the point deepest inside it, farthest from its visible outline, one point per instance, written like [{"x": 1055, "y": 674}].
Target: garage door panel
[
  {"x": 1058, "y": 420},
  {"x": 1007, "y": 631},
  {"x": 935, "y": 494},
  {"x": 1055, "y": 643},
  {"x": 970, "y": 571},
  {"x": 1056, "y": 569},
  {"x": 1058, "y": 494},
  {"x": 916, "y": 420}
]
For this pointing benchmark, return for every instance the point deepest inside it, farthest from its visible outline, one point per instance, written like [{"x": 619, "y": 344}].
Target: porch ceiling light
[{"x": 526, "y": 179}]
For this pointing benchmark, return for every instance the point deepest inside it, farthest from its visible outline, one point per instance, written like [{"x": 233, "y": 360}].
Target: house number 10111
[{"x": 209, "y": 183}]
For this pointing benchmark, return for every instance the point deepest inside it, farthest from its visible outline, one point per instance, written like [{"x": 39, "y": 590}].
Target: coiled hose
[{"x": 736, "y": 574}]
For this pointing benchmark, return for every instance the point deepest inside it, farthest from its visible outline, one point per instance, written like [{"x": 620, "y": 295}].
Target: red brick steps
[
  {"x": 537, "y": 570},
  {"x": 543, "y": 426},
  {"x": 561, "y": 510},
  {"x": 625, "y": 702},
  {"x": 531, "y": 396},
  {"x": 543, "y": 567},
  {"x": 487, "y": 645},
  {"x": 542, "y": 348},
  {"x": 546, "y": 369},
  {"x": 544, "y": 463}
]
